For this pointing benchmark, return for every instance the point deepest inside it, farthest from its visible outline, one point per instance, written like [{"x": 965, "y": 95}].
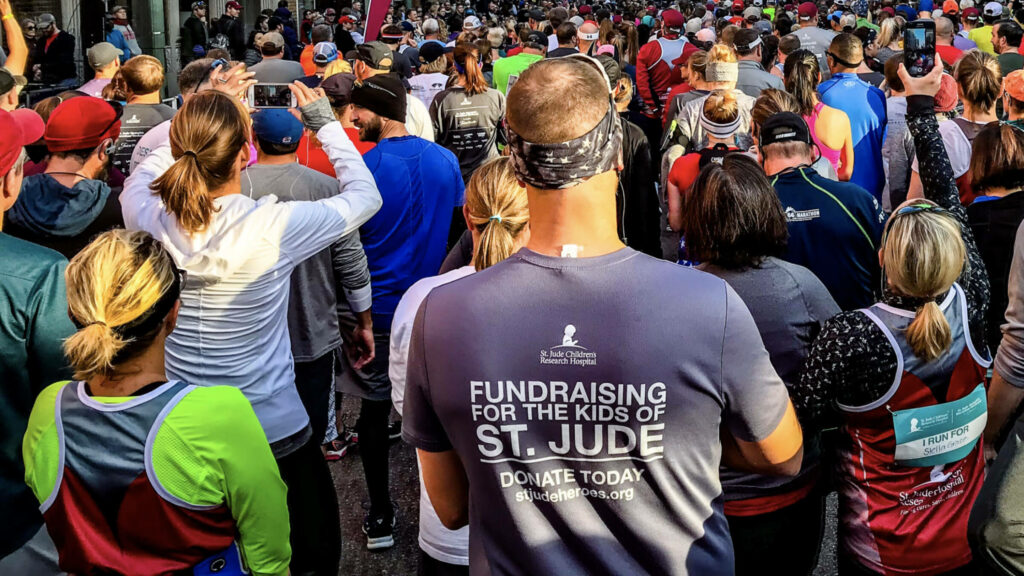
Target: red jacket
[{"x": 654, "y": 71}]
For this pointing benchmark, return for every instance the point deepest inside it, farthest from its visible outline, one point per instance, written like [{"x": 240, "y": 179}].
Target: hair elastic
[
  {"x": 496, "y": 217},
  {"x": 190, "y": 153}
]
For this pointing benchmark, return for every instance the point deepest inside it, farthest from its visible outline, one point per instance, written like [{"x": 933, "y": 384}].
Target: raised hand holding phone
[{"x": 919, "y": 47}]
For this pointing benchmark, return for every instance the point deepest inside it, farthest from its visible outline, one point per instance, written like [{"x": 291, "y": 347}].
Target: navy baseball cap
[{"x": 276, "y": 125}]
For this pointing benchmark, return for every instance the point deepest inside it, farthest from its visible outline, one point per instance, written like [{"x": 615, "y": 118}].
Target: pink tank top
[{"x": 831, "y": 154}]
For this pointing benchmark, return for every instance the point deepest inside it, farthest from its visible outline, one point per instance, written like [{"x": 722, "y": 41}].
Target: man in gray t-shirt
[
  {"x": 568, "y": 403},
  {"x": 339, "y": 273},
  {"x": 274, "y": 69}
]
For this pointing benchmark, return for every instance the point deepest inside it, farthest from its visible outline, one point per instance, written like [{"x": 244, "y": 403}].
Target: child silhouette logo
[
  {"x": 567, "y": 339},
  {"x": 914, "y": 426}
]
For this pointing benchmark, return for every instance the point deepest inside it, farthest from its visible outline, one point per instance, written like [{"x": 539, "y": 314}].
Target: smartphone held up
[
  {"x": 271, "y": 96},
  {"x": 919, "y": 47}
]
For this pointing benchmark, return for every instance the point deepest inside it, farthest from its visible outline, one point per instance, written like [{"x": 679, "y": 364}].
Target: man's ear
[{"x": 10, "y": 187}]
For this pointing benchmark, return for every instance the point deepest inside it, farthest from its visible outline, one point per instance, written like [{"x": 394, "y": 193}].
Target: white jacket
[{"x": 233, "y": 329}]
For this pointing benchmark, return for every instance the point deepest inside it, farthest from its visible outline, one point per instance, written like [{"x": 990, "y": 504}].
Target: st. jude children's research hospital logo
[{"x": 570, "y": 352}]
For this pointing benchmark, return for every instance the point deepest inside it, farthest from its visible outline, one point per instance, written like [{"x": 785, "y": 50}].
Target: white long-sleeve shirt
[{"x": 232, "y": 328}]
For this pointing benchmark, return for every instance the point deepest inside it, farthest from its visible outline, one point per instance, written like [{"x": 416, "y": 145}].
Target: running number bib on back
[{"x": 942, "y": 433}]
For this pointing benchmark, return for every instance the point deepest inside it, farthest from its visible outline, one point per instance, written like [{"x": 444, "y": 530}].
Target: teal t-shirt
[{"x": 33, "y": 325}]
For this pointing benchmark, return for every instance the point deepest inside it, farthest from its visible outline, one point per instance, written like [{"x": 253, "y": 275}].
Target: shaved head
[
  {"x": 943, "y": 27},
  {"x": 557, "y": 100}
]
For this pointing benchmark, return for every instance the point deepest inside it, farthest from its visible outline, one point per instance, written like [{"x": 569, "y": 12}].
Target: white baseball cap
[{"x": 993, "y": 9}]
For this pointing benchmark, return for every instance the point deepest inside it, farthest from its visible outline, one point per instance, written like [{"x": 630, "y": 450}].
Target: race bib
[{"x": 940, "y": 434}]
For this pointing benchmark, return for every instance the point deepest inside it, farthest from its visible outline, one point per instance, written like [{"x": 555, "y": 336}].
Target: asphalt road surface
[{"x": 402, "y": 559}]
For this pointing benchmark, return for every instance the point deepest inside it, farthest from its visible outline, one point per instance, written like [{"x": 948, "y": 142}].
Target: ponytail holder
[
  {"x": 190, "y": 153},
  {"x": 495, "y": 217},
  {"x": 100, "y": 322}
]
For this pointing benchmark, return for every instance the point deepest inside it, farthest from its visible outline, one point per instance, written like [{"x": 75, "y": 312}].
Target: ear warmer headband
[{"x": 560, "y": 165}]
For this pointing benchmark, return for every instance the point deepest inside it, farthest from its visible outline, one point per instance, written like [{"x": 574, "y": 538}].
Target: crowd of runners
[{"x": 642, "y": 285}]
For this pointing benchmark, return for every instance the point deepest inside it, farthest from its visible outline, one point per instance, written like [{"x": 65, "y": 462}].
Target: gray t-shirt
[
  {"x": 789, "y": 305},
  {"x": 277, "y": 71},
  {"x": 318, "y": 283},
  {"x": 753, "y": 79},
  {"x": 584, "y": 398},
  {"x": 468, "y": 125},
  {"x": 817, "y": 40},
  {"x": 136, "y": 121}
]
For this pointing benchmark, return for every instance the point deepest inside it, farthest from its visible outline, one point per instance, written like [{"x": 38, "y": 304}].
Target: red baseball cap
[
  {"x": 20, "y": 128},
  {"x": 81, "y": 123},
  {"x": 737, "y": 6},
  {"x": 673, "y": 19},
  {"x": 585, "y": 9},
  {"x": 233, "y": 4},
  {"x": 971, "y": 13},
  {"x": 808, "y": 10}
]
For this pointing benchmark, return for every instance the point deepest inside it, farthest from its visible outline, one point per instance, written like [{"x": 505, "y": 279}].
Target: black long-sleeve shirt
[
  {"x": 852, "y": 361},
  {"x": 638, "y": 207},
  {"x": 57, "y": 61}
]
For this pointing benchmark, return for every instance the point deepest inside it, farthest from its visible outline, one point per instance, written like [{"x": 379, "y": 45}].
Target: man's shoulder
[
  {"x": 849, "y": 193},
  {"x": 25, "y": 260},
  {"x": 644, "y": 273}
]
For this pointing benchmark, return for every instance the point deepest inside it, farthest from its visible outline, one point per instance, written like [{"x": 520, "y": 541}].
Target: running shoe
[
  {"x": 337, "y": 449},
  {"x": 395, "y": 430},
  {"x": 379, "y": 531}
]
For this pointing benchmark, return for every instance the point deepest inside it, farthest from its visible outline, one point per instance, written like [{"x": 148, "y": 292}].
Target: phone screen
[
  {"x": 272, "y": 96},
  {"x": 919, "y": 50}
]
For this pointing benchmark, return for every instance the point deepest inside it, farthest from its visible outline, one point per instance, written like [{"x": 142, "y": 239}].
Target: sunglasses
[
  {"x": 912, "y": 209},
  {"x": 218, "y": 63}
]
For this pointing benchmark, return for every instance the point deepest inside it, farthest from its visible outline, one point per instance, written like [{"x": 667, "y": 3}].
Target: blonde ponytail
[
  {"x": 929, "y": 334},
  {"x": 115, "y": 280},
  {"x": 498, "y": 209},
  {"x": 206, "y": 136},
  {"x": 924, "y": 254}
]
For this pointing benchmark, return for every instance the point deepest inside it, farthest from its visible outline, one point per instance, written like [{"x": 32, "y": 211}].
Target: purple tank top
[{"x": 831, "y": 154}]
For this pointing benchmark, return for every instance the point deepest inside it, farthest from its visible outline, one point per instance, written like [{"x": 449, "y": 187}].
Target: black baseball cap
[
  {"x": 536, "y": 15},
  {"x": 784, "y": 127},
  {"x": 431, "y": 51},
  {"x": 338, "y": 89},
  {"x": 537, "y": 38},
  {"x": 8, "y": 81}
]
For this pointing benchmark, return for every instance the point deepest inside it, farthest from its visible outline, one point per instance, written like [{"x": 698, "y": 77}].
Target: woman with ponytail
[
  {"x": 239, "y": 254},
  {"x": 467, "y": 114},
  {"x": 904, "y": 379},
  {"x": 497, "y": 215},
  {"x": 830, "y": 127},
  {"x": 720, "y": 118},
  {"x": 179, "y": 477}
]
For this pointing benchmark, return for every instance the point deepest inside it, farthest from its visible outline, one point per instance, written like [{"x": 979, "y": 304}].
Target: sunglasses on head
[
  {"x": 218, "y": 63},
  {"x": 912, "y": 209}
]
